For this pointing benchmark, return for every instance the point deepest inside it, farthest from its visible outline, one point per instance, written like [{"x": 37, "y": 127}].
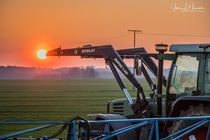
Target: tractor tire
[{"x": 201, "y": 132}]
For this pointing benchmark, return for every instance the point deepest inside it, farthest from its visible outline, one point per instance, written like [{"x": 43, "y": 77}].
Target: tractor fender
[
  {"x": 183, "y": 103},
  {"x": 130, "y": 135}
]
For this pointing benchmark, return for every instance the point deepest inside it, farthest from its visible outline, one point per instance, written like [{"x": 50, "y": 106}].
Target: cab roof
[{"x": 189, "y": 47}]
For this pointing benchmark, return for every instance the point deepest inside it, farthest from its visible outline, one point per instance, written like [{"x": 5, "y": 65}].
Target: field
[{"x": 56, "y": 100}]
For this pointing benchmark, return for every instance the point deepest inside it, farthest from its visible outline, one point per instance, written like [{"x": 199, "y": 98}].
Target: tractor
[{"x": 187, "y": 86}]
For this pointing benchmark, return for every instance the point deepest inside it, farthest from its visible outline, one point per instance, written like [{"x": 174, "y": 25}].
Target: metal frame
[{"x": 73, "y": 134}]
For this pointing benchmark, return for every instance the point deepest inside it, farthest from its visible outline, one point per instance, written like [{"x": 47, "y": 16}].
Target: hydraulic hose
[{"x": 66, "y": 125}]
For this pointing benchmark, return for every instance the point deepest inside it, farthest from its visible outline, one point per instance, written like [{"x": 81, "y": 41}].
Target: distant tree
[
  {"x": 90, "y": 71},
  {"x": 74, "y": 72}
]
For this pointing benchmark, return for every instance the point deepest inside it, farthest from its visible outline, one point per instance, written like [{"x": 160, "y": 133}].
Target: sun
[{"x": 41, "y": 54}]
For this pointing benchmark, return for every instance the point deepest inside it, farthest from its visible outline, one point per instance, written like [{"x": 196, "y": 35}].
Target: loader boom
[{"x": 115, "y": 60}]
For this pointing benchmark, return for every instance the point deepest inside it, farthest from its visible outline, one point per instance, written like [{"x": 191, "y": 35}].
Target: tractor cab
[{"x": 189, "y": 74}]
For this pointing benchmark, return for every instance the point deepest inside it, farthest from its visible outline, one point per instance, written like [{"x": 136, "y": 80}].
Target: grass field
[{"x": 56, "y": 100}]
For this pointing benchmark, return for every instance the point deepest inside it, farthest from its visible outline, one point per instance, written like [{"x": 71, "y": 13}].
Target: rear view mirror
[{"x": 138, "y": 66}]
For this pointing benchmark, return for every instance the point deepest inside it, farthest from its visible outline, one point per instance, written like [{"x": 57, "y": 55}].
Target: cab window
[{"x": 184, "y": 74}]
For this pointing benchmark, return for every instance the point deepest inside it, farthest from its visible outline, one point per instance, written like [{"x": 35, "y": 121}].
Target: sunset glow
[
  {"x": 27, "y": 26},
  {"x": 41, "y": 54}
]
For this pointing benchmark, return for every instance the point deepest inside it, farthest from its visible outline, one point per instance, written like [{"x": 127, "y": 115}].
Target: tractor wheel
[{"x": 198, "y": 134}]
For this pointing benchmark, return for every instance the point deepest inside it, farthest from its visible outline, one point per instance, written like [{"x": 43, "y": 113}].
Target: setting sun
[{"x": 41, "y": 53}]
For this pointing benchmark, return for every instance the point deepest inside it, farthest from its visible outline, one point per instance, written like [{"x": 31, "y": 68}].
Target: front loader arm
[
  {"x": 95, "y": 52},
  {"x": 107, "y": 52},
  {"x": 114, "y": 60}
]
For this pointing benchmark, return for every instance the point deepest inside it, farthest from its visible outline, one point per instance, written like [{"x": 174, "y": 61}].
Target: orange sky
[{"x": 27, "y": 25}]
